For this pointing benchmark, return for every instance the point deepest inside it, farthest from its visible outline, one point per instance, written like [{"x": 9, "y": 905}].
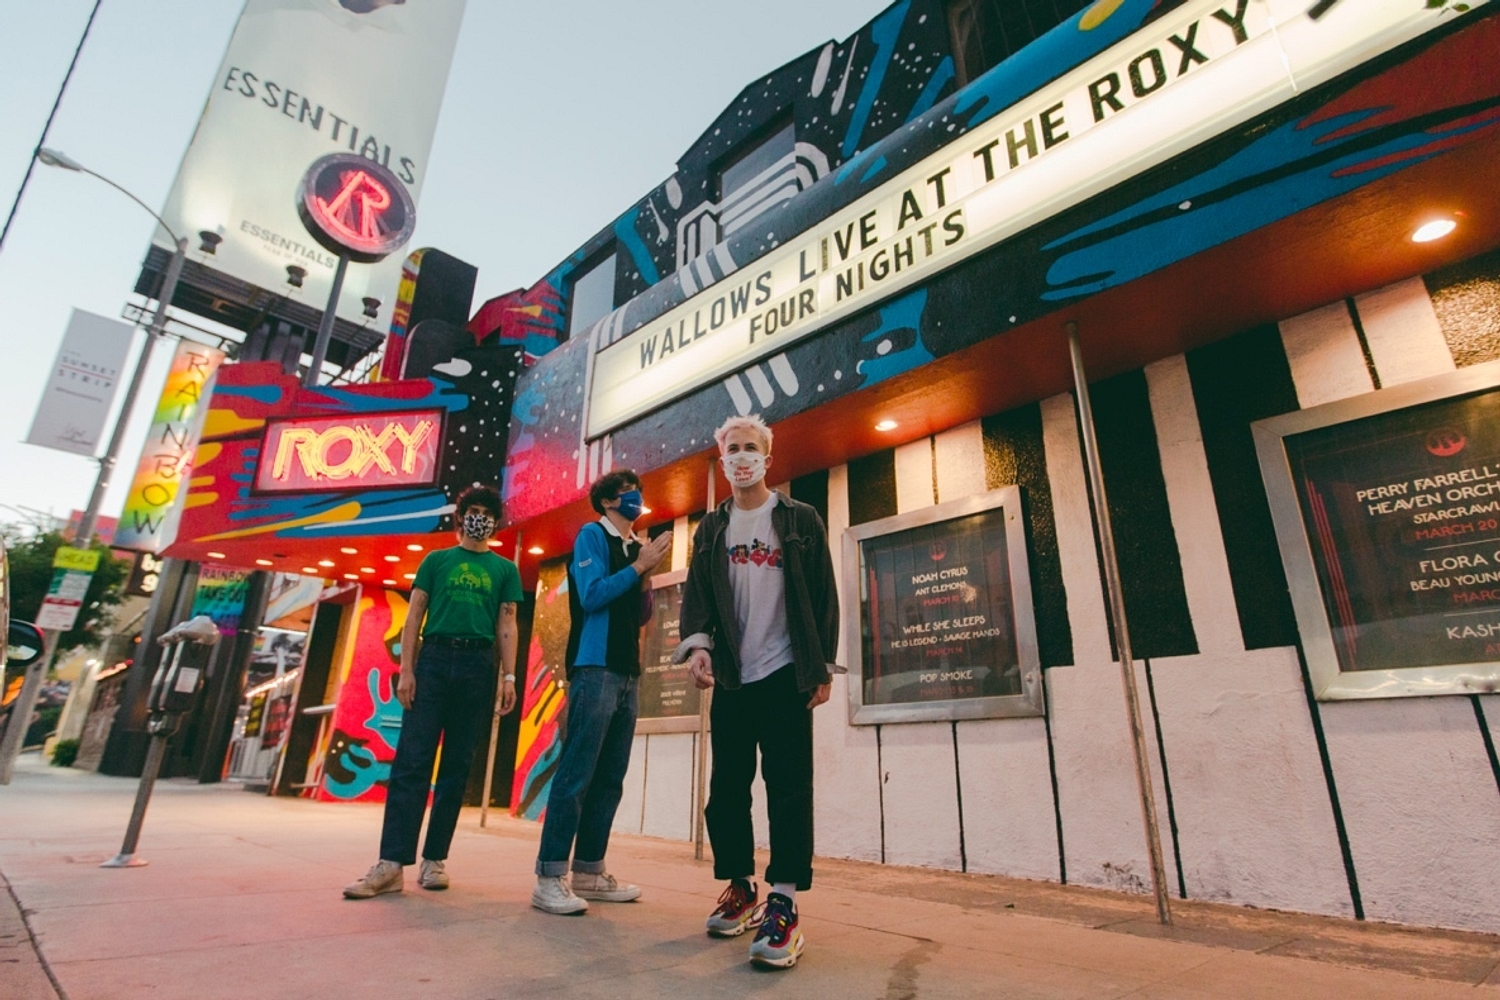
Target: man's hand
[
  {"x": 701, "y": 668},
  {"x": 652, "y": 553},
  {"x": 406, "y": 688},
  {"x": 819, "y": 695},
  {"x": 507, "y": 696}
]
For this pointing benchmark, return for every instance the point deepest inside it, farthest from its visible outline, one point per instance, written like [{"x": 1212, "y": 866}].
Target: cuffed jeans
[
  {"x": 455, "y": 694},
  {"x": 590, "y": 773},
  {"x": 771, "y": 714}
]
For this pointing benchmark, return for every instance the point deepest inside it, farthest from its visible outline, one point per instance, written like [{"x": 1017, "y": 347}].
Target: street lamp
[{"x": 54, "y": 158}]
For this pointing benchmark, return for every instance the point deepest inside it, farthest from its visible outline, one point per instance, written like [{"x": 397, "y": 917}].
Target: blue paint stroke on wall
[
  {"x": 884, "y": 31},
  {"x": 631, "y": 240},
  {"x": 1280, "y": 174},
  {"x": 901, "y": 314},
  {"x": 935, "y": 84}
]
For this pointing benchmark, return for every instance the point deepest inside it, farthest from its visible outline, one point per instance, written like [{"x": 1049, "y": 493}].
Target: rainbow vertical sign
[{"x": 167, "y": 458}]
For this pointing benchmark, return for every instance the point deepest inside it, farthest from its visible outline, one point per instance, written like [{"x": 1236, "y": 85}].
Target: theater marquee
[{"x": 1201, "y": 68}]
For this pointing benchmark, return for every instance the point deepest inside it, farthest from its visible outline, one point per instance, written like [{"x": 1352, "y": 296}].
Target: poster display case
[
  {"x": 1387, "y": 514},
  {"x": 938, "y": 614},
  {"x": 669, "y": 700}
]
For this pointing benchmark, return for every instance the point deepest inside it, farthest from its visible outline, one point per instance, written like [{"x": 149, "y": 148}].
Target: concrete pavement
[{"x": 241, "y": 899}]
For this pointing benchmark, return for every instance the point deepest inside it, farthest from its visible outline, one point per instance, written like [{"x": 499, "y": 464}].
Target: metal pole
[
  {"x": 1122, "y": 632},
  {"x": 705, "y": 699},
  {"x": 133, "y": 390},
  {"x": 20, "y": 709},
  {"x": 325, "y": 326},
  {"x": 154, "y": 755},
  {"x": 489, "y": 771}
]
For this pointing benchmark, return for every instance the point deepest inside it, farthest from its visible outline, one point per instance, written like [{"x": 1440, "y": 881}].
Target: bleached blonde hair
[{"x": 751, "y": 423}]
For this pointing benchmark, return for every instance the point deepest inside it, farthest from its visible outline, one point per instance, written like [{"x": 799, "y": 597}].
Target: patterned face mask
[
  {"x": 744, "y": 468},
  {"x": 478, "y": 526}
]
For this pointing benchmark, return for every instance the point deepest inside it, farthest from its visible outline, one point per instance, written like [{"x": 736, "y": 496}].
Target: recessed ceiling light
[
  {"x": 367, "y": 569},
  {"x": 348, "y": 550},
  {"x": 414, "y": 547},
  {"x": 536, "y": 550},
  {"x": 351, "y": 576},
  {"x": 886, "y": 425},
  {"x": 392, "y": 558},
  {"x": 408, "y": 576},
  {"x": 1434, "y": 230},
  {"x": 309, "y": 569},
  {"x": 325, "y": 562},
  {"x": 214, "y": 555},
  {"x": 645, "y": 510},
  {"x": 388, "y": 583},
  {"x": 264, "y": 562}
]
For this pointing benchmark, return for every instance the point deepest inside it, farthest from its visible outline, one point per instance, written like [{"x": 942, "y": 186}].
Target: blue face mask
[{"x": 630, "y": 504}]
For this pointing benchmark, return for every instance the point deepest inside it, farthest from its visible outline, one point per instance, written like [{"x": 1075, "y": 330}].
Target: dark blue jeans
[
  {"x": 590, "y": 772},
  {"x": 455, "y": 695}
]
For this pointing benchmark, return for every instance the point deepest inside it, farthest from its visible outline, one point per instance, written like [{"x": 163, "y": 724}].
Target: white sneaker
[
  {"x": 604, "y": 887},
  {"x": 383, "y": 876},
  {"x": 433, "y": 876},
  {"x": 552, "y": 895}
]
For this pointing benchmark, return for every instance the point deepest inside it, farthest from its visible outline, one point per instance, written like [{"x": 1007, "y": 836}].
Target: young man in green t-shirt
[{"x": 468, "y": 595}]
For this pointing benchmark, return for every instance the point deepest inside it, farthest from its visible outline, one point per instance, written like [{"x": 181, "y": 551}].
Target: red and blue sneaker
[
  {"x": 736, "y": 909},
  {"x": 778, "y": 943}
]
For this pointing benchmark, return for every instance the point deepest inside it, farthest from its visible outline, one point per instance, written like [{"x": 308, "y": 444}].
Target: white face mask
[{"x": 744, "y": 469}]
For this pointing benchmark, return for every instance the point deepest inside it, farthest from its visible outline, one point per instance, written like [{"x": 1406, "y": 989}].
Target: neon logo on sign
[
  {"x": 340, "y": 214},
  {"x": 355, "y": 207},
  {"x": 381, "y": 450}
]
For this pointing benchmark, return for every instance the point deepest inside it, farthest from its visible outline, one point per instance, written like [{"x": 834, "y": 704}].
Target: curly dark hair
[
  {"x": 478, "y": 496},
  {"x": 611, "y": 485}
]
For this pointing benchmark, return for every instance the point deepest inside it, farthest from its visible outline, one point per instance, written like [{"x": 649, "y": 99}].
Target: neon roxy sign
[{"x": 386, "y": 449}]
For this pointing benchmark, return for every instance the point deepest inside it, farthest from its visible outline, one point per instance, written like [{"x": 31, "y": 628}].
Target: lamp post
[
  {"x": 53, "y": 158},
  {"x": 10, "y": 743}
]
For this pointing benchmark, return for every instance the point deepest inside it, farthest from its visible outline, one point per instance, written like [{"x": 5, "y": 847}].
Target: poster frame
[
  {"x": 1329, "y": 682},
  {"x": 648, "y": 725},
  {"x": 1027, "y": 704}
]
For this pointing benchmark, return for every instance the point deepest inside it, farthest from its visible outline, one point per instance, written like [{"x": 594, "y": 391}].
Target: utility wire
[{"x": 45, "y": 128}]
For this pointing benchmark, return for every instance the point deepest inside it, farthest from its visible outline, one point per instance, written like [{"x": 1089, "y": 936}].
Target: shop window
[
  {"x": 591, "y": 293},
  {"x": 986, "y": 32}
]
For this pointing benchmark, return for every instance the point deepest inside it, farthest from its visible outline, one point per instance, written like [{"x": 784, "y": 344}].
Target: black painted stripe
[
  {"x": 813, "y": 489},
  {"x": 1237, "y": 381},
  {"x": 872, "y": 487},
  {"x": 1014, "y": 456},
  {"x": 958, "y": 784},
  {"x": 1489, "y": 740},
  {"x": 1062, "y": 859},
  {"x": 1333, "y": 789},
  {"x": 1166, "y": 782},
  {"x": 1145, "y": 540},
  {"x": 1462, "y": 294},
  {"x": 1364, "y": 342}
]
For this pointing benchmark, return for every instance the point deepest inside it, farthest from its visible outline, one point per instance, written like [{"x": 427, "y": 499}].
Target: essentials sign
[{"x": 978, "y": 191}]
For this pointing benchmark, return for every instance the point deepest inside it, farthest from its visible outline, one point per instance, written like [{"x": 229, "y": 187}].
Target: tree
[{"x": 31, "y": 572}]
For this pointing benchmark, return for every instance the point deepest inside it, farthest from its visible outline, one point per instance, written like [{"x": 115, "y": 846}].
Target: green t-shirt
[{"x": 465, "y": 590}]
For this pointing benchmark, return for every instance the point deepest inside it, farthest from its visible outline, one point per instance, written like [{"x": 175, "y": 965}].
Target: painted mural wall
[{"x": 366, "y": 724}]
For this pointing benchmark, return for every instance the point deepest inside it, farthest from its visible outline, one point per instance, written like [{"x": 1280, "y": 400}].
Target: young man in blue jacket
[{"x": 609, "y": 601}]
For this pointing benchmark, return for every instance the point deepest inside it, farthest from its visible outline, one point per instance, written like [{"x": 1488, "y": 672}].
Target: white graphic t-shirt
[{"x": 759, "y": 588}]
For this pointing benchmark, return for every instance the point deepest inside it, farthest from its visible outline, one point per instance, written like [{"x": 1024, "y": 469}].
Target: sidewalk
[{"x": 242, "y": 899}]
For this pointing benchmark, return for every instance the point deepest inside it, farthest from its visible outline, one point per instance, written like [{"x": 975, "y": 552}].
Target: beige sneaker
[
  {"x": 383, "y": 876},
  {"x": 604, "y": 888},
  {"x": 433, "y": 876},
  {"x": 552, "y": 895}
]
